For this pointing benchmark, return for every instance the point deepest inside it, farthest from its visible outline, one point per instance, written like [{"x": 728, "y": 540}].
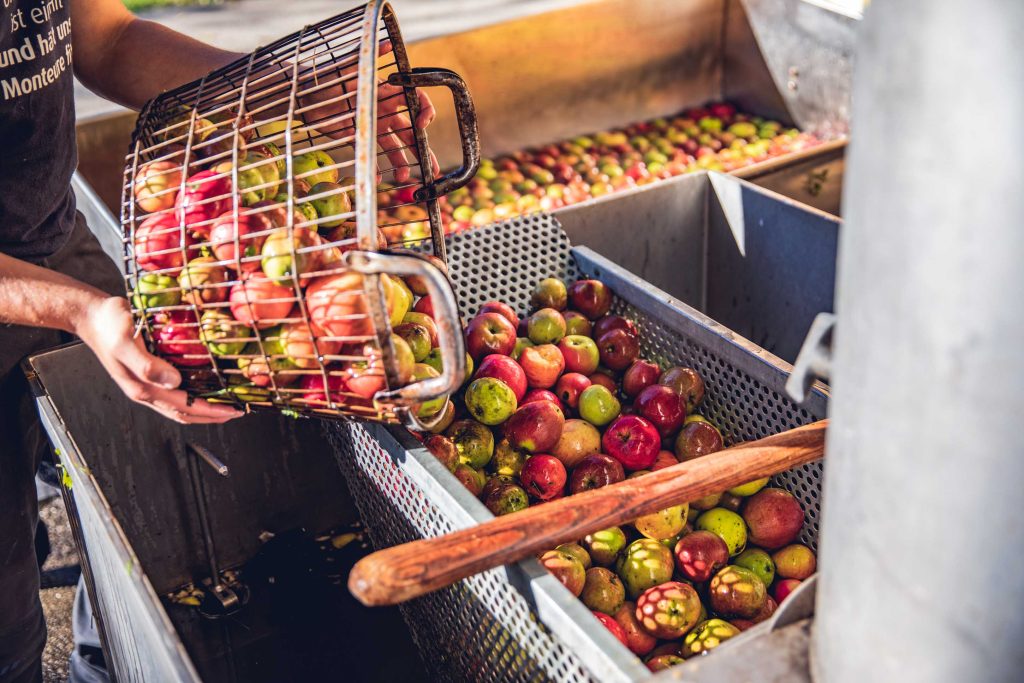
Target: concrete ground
[{"x": 57, "y": 601}]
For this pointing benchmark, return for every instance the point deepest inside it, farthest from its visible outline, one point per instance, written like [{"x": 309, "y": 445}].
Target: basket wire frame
[{"x": 322, "y": 90}]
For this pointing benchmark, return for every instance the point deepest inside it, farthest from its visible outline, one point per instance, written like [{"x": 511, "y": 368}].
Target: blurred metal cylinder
[{"x": 923, "y": 530}]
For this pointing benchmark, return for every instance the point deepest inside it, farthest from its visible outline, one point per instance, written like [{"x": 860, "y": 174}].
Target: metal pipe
[{"x": 922, "y": 528}]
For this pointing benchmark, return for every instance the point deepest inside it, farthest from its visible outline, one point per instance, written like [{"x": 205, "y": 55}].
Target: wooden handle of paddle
[{"x": 407, "y": 571}]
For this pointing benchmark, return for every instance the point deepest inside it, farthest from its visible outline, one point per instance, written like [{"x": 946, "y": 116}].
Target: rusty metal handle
[
  {"x": 465, "y": 115},
  {"x": 446, "y": 317}
]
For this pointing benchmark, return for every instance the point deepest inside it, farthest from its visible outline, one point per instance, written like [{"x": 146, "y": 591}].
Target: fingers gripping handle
[
  {"x": 446, "y": 317},
  {"x": 465, "y": 115}
]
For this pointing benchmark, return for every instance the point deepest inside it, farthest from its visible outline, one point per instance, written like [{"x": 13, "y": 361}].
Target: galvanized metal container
[{"x": 518, "y": 622}]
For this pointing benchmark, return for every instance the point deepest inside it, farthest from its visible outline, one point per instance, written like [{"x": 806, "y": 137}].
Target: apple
[
  {"x": 639, "y": 641},
  {"x": 156, "y": 185},
  {"x": 425, "y": 321},
  {"x": 417, "y": 337},
  {"x": 501, "y": 309},
  {"x": 507, "y": 370},
  {"x": 664, "y": 459},
  {"x": 592, "y": 298},
  {"x": 337, "y": 304},
  {"x": 700, "y": 554},
  {"x": 774, "y": 517},
  {"x": 603, "y": 591},
  {"x": 550, "y": 293},
  {"x": 444, "y": 450},
  {"x": 605, "y": 545},
  {"x": 602, "y": 378},
  {"x": 794, "y": 562},
  {"x": 662, "y": 525},
  {"x": 598, "y": 406},
  {"x": 566, "y": 568},
  {"x": 542, "y": 395},
  {"x": 425, "y": 306},
  {"x": 736, "y": 592},
  {"x": 472, "y": 479},
  {"x": 783, "y": 588},
  {"x": 697, "y": 439},
  {"x": 542, "y": 364},
  {"x": 612, "y": 626},
  {"x": 521, "y": 343},
  {"x": 687, "y": 383},
  {"x": 579, "y": 439},
  {"x": 708, "y": 635},
  {"x": 614, "y": 322},
  {"x": 640, "y": 375},
  {"x": 474, "y": 441},
  {"x": 156, "y": 291},
  {"x": 205, "y": 197},
  {"x": 618, "y": 349},
  {"x": 727, "y": 525},
  {"x": 569, "y": 387},
  {"x": 249, "y": 185},
  {"x": 495, "y": 482},
  {"x": 365, "y": 378},
  {"x": 644, "y": 563},
  {"x": 334, "y": 208},
  {"x": 594, "y": 471},
  {"x": 759, "y": 562},
  {"x": 441, "y": 424},
  {"x": 417, "y": 283},
  {"x": 580, "y": 353},
  {"x": 543, "y": 476},
  {"x": 577, "y": 551},
  {"x": 662, "y": 662},
  {"x": 535, "y": 427},
  {"x": 178, "y": 339},
  {"x": 296, "y": 341},
  {"x": 258, "y": 300},
  {"x": 546, "y": 326},
  {"x": 668, "y": 610},
  {"x": 662, "y": 407},
  {"x": 490, "y": 400},
  {"x": 161, "y": 245},
  {"x": 507, "y": 461},
  {"x": 633, "y": 441},
  {"x": 317, "y": 391},
  {"x": 577, "y": 323},
  {"x": 506, "y": 499},
  {"x": 278, "y": 262},
  {"x": 250, "y": 231},
  {"x": 313, "y": 167},
  {"x": 490, "y": 333}
]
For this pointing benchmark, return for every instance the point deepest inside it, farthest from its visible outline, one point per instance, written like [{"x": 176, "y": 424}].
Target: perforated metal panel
[{"x": 482, "y": 628}]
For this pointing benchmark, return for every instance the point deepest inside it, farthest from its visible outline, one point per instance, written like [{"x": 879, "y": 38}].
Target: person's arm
[
  {"x": 38, "y": 297},
  {"x": 129, "y": 60}
]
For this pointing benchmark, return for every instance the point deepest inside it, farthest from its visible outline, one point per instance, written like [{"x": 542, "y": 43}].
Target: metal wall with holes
[{"x": 512, "y": 623}]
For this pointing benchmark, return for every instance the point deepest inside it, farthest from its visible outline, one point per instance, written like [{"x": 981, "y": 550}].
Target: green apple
[
  {"x": 546, "y": 326},
  {"x": 418, "y": 339},
  {"x": 308, "y": 162},
  {"x": 430, "y": 408},
  {"x": 335, "y": 204},
  {"x": 154, "y": 290},
  {"x": 521, "y": 343},
  {"x": 490, "y": 400},
  {"x": 727, "y": 525},
  {"x": 759, "y": 562},
  {"x": 222, "y": 334},
  {"x": 598, "y": 406}
]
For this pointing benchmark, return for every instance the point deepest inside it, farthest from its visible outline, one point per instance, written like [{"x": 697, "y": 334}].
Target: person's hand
[
  {"x": 107, "y": 328},
  {"x": 395, "y": 133}
]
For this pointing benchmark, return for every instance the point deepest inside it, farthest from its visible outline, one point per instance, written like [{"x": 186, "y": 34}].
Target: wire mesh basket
[
  {"x": 519, "y": 623},
  {"x": 265, "y": 209}
]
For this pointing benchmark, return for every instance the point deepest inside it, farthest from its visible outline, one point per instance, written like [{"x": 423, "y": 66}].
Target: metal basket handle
[
  {"x": 465, "y": 115},
  {"x": 446, "y": 317}
]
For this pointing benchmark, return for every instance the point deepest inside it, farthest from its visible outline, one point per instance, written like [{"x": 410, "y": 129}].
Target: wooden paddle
[{"x": 407, "y": 571}]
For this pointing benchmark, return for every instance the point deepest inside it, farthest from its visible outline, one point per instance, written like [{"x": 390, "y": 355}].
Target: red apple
[
  {"x": 580, "y": 353},
  {"x": 203, "y": 199},
  {"x": 700, "y": 554},
  {"x": 505, "y": 369},
  {"x": 161, "y": 245},
  {"x": 490, "y": 333},
  {"x": 687, "y": 383},
  {"x": 425, "y": 306},
  {"x": 542, "y": 395},
  {"x": 784, "y": 588},
  {"x": 614, "y": 322},
  {"x": 543, "y": 476},
  {"x": 639, "y": 641},
  {"x": 774, "y": 517},
  {"x": 612, "y": 626},
  {"x": 594, "y": 471},
  {"x": 664, "y": 459},
  {"x": 663, "y": 407},
  {"x": 633, "y": 441},
  {"x": 640, "y": 375},
  {"x": 605, "y": 380},
  {"x": 569, "y": 387},
  {"x": 618, "y": 349},
  {"x": 543, "y": 364},
  {"x": 259, "y": 300},
  {"x": 535, "y": 427},
  {"x": 177, "y": 339},
  {"x": 251, "y": 232},
  {"x": 501, "y": 309},
  {"x": 592, "y": 298}
]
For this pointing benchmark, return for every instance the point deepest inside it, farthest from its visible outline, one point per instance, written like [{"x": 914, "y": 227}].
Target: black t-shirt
[{"x": 37, "y": 127}]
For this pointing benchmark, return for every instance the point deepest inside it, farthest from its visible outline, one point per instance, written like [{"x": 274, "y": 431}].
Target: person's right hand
[{"x": 107, "y": 328}]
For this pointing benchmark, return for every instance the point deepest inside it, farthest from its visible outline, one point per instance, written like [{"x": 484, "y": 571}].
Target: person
[{"x": 55, "y": 281}]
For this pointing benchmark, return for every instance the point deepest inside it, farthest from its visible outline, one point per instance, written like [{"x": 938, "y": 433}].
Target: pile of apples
[
  {"x": 715, "y": 137},
  {"x": 560, "y": 403},
  {"x": 270, "y": 307}
]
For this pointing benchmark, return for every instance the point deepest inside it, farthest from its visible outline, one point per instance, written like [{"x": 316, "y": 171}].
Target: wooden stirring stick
[{"x": 407, "y": 571}]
